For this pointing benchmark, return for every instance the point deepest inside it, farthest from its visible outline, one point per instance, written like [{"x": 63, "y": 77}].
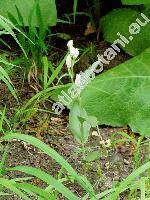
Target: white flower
[
  {"x": 70, "y": 44},
  {"x": 78, "y": 80},
  {"x": 69, "y": 61},
  {"x": 74, "y": 52}
]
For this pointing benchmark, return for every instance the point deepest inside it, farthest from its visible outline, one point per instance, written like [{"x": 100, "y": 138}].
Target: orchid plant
[{"x": 80, "y": 122}]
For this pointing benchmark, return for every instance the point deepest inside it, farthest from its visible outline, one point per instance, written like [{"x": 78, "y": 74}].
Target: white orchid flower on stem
[
  {"x": 71, "y": 58},
  {"x": 78, "y": 80},
  {"x": 74, "y": 52},
  {"x": 68, "y": 61},
  {"x": 70, "y": 44}
]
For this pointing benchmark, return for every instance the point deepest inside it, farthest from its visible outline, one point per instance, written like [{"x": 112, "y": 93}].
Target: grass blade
[
  {"x": 129, "y": 180},
  {"x": 45, "y": 64},
  {"x": 52, "y": 153},
  {"x": 32, "y": 188},
  {"x": 5, "y": 78},
  {"x": 7, "y": 184},
  {"x": 8, "y": 27},
  {"x": 47, "y": 179},
  {"x": 56, "y": 72},
  {"x": 75, "y": 4}
]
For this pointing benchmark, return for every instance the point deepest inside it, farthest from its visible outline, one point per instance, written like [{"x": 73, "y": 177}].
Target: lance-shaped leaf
[{"x": 135, "y": 2}]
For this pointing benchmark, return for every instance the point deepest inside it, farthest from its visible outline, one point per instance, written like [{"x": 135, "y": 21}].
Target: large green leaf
[
  {"x": 27, "y": 9},
  {"x": 121, "y": 96},
  {"x": 135, "y": 2},
  {"x": 119, "y": 20}
]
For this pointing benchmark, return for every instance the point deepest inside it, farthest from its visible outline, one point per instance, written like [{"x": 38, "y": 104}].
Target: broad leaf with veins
[
  {"x": 119, "y": 21},
  {"x": 121, "y": 96}
]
